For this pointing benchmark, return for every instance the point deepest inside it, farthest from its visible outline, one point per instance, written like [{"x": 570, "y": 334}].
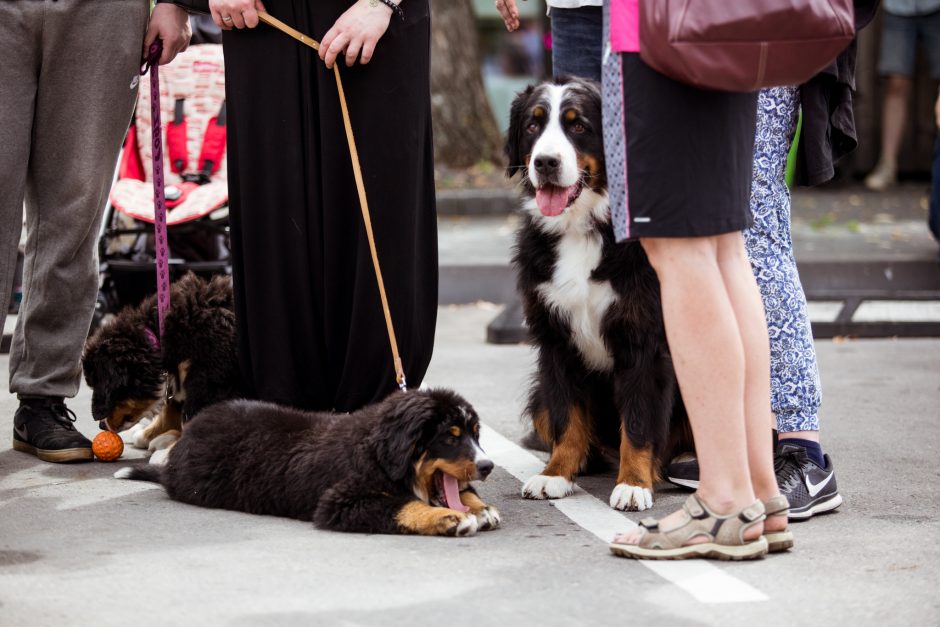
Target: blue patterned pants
[{"x": 794, "y": 375}]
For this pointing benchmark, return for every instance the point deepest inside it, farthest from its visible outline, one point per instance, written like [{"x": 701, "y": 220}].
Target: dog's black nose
[
  {"x": 484, "y": 468},
  {"x": 546, "y": 165},
  {"x": 103, "y": 425}
]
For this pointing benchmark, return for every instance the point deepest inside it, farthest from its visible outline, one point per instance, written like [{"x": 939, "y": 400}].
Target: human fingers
[
  {"x": 352, "y": 51},
  {"x": 215, "y": 10},
  {"x": 368, "y": 49},
  {"x": 251, "y": 18},
  {"x": 335, "y": 48},
  {"x": 238, "y": 19}
]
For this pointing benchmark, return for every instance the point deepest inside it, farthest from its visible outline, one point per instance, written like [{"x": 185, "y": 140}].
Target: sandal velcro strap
[
  {"x": 694, "y": 508},
  {"x": 650, "y": 524},
  {"x": 777, "y": 506},
  {"x": 752, "y": 512}
]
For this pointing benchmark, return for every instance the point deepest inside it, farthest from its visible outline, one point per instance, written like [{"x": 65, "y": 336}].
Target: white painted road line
[{"x": 704, "y": 581}]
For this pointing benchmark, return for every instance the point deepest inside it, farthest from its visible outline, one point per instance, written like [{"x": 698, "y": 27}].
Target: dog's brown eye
[
  {"x": 579, "y": 128},
  {"x": 531, "y": 128}
]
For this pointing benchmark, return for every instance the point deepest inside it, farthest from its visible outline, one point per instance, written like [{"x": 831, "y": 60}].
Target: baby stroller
[{"x": 192, "y": 105}]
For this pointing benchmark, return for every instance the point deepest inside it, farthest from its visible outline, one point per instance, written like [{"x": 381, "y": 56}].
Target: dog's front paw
[
  {"x": 163, "y": 441},
  {"x": 160, "y": 457},
  {"x": 545, "y": 487},
  {"x": 631, "y": 498},
  {"x": 468, "y": 526},
  {"x": 487, "y": 518},
  {"x": 421, "y": 518},
  {"x": 137, "y": 434}
]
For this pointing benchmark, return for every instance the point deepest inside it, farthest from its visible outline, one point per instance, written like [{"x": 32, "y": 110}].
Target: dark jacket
[{"x": 828, "y": 132}]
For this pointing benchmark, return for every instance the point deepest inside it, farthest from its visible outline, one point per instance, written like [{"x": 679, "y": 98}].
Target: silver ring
[{"x": 227, "y": 18}]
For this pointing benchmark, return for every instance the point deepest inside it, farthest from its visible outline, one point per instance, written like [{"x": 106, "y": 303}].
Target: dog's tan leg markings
[
  {"x": 569, "y": 454},
  {"x": 182, "y": 371},
  {"x": 540, "y": 424},
  {"x": 170, "y": 418},
  {"x": 421, "y": 518},
  {"x": 638, "y": 471},
  {"x": 487, "y": 515}
]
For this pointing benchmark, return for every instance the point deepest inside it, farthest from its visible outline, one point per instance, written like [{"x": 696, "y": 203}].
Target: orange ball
[{"x": 107, "y": 446}]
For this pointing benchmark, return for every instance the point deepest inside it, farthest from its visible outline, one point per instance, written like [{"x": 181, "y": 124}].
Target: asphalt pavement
[{"x": 78, "y": 547}]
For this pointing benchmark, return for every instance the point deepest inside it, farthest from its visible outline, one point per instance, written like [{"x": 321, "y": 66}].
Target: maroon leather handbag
[{"x": 743, "y": 45}]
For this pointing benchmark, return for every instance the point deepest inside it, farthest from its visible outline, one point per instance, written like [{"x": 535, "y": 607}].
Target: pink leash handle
[{"x": 159, "y": 198}]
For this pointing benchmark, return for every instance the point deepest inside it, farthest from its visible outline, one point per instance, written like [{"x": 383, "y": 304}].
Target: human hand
[
  {"x": 170, "y": 24},
  {"x": 356, "y": 33},
  {"x": 509, "y": 12},
  {"x": 229, "y": 14}
]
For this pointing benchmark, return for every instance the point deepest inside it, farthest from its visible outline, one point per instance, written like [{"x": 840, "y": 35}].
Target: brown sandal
[
  {"x": 725, "y": 535},
  {"x": 778, "y": 540}
]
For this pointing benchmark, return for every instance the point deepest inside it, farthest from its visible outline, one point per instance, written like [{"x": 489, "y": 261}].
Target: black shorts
[{"x": 690, "y": 155}]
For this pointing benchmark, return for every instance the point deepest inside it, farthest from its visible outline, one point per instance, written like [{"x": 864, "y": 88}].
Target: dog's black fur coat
[
  {"x": 120, "y": 361},
  {"x": 639, "y": 393},
  {"x": 345, "y": 472}
]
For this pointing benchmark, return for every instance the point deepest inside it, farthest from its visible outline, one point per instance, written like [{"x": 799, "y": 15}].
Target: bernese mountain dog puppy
[
  {"x": 132, "y": 371},
  {"x": 605, "y": 379},
  {"x": 403, "y": 465}
]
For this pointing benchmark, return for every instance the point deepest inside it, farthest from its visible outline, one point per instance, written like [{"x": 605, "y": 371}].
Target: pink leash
[{"x": 159, "y": 198}]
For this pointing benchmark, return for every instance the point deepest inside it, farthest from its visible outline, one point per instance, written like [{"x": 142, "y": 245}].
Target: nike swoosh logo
[
  {"x": 814, "y": 489},
  {"x": 21, "y": 431}
]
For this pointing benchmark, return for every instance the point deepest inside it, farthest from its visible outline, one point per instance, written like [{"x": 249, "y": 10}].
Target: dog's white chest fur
[{"x": 573, "y": 294}]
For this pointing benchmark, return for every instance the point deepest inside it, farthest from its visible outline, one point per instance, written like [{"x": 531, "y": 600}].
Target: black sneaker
[
  {"x": 43, "y": 427},
  {"x": 811, "y": 489},
  {"x": 683, "y": 471}
]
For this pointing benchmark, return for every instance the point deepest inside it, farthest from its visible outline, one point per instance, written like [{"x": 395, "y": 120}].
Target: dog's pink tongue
[
  {"x": 551, "y": 199},
  {"x": 452, "y": 494}
]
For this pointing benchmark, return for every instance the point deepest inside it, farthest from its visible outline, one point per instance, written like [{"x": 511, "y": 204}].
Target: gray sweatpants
[{"x": 66, "y": 97}]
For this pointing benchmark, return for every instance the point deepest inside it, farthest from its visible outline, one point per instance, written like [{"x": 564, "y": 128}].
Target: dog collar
[{"x": 152, "y": 337}]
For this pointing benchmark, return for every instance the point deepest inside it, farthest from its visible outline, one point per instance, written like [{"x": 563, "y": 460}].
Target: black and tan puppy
[
  {"x": 403, "y": 465},
  {"x": 605, "y": 380},
  {"x": 131, "y": 370}
]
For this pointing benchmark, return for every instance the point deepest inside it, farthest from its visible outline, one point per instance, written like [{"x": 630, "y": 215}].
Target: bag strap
[{"x": 360, "y": 187}]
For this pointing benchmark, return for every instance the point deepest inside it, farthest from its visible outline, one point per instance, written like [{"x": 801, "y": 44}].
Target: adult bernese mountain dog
[
  {"x": 605, "y": 378},
  {"x": 132, "y": 371},
  {"x": 403, "y": 465}
]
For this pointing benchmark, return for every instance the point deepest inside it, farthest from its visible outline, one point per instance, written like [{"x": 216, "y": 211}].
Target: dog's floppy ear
[
  {"x": 513, "y": 148},
  {"x": 404, "y": 423}
]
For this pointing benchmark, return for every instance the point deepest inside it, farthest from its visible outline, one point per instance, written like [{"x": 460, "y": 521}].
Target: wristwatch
[{"x": 192, "y": 6}]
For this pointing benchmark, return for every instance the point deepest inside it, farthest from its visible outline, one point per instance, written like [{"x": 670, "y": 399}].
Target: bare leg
[
  {"x": 894, "y": 118},
  {"x": 709, "y": 356},
  {"x": 745, "y": 297}
]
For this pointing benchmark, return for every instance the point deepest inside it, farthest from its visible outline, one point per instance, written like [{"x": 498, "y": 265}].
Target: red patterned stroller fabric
[{"x": 192, "y": 105}]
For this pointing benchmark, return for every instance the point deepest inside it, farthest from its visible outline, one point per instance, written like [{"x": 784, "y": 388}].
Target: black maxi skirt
[{"x": 311, "y": 333}]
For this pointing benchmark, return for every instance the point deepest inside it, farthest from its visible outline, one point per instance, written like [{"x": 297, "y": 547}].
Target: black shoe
[
  {"x": 811, "y": 489},
  {"x": 43, "y": 427},
  {"x": 683, "y": 471}
]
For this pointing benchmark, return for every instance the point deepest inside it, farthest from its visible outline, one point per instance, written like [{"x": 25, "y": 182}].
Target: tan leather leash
[{"x": 360, "y": 187}]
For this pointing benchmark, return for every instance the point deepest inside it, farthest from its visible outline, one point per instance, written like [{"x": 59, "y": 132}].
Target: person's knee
[{"x": 670, "y": 255}]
